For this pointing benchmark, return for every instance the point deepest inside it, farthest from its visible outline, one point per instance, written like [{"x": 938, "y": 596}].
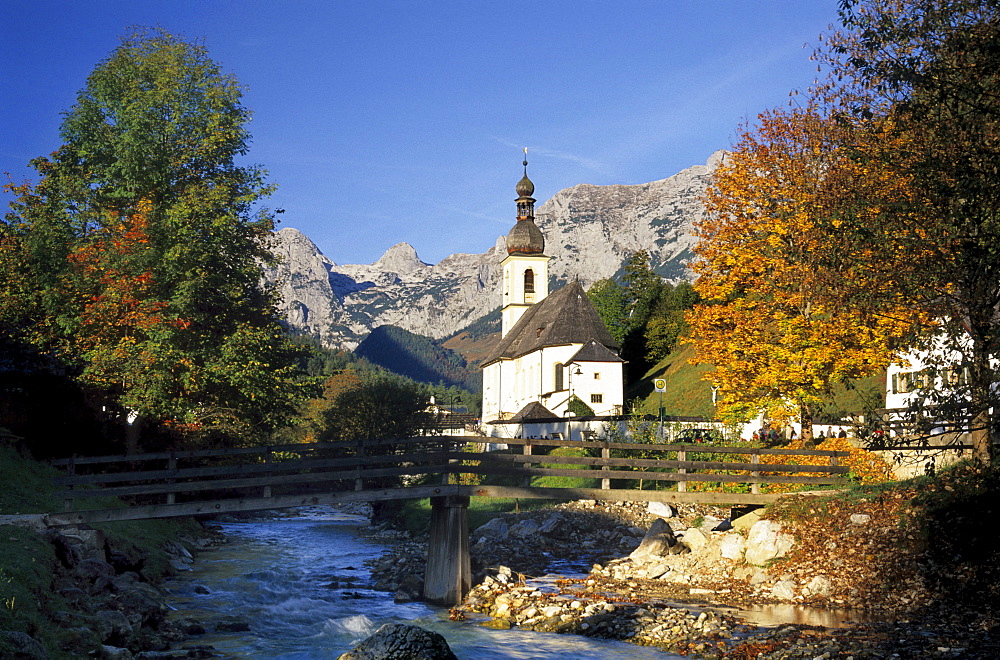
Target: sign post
[{"x": 661, "y": 385}]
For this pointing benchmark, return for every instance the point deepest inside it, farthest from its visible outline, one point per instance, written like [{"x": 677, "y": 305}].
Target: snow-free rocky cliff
[{"x": 589, "y": 232}]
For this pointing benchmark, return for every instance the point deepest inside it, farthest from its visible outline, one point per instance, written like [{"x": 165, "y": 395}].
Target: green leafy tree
[
  {"x": 184, "y": 334},
  {"x": 643, "y": 288},
  {"x": 373, "y": 405},
  {"x": 577, "y": 406},
  {"x": 608, "y": 298},
  {"x": 667, "y": 323}
]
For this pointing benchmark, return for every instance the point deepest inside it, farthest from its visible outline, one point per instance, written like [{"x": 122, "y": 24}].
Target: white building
[{"x": 552, "y": 347}]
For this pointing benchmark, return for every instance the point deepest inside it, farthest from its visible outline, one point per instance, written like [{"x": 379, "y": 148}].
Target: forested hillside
[{"x": 417, "y": 357}]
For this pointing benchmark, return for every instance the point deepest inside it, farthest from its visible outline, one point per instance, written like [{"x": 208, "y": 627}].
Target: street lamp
[{"x": 574, "y": 370}]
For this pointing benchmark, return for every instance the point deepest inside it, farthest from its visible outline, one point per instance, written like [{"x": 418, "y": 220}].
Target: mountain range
[{"x": 590, "y": 231}]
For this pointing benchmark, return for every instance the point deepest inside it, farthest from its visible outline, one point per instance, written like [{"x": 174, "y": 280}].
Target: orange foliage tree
[
  {"x": 121, "y": 322},
  {"x": 772, "y": 322}
]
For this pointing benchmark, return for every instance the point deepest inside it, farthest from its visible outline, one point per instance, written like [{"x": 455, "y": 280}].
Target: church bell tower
[{"x": 525, "y": 268}]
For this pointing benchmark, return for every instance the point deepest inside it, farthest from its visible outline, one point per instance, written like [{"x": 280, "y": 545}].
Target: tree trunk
[
  {"x": 980, "y": 419},
  {"x": 806, "y": 419}
]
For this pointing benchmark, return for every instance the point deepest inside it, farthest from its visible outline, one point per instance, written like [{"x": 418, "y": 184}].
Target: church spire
[
  {"x": 525, "y": 237},
  {"x": 525, "y": 189}
]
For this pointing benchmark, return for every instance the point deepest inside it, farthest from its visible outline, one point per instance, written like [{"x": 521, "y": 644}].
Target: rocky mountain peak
[
  {"x": 400, "y": 258},
  {"x": 590, "y": 231}
]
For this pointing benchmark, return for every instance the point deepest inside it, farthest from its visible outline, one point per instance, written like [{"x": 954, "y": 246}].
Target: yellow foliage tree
[{"x": 771, "y": 322}]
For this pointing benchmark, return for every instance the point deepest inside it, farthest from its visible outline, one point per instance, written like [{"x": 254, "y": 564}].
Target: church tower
[{"x": 525, "y": 268}]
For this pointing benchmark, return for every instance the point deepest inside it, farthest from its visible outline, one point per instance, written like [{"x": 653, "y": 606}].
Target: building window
[
  {"x": 558, "y": 376},
  {"x": 529, "y": 281},
  {"x": 597, "y": 398}
]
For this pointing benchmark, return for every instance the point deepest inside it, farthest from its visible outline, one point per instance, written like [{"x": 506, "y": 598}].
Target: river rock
[
  {"x": 74, "y": 544},
  {"x": 525, "y": 529},
  {"x": 495, "y": 528},
  {"x": 115, "y": 653},
  {"x": 114, "y": 628},
  {"x": 695, "y": 538},
  {"x": 21, "y": 645},
  {"x": 144, "y": 603},
  {"x": 767, "y": 541},
  {"x": 233, "y": 624},
  {"x": 732, "y": 546},
  {"x": 657, "y": 542},
  {"x": 661, "y": 509},
  {"x": 411, "y": 589},
  {"x": 783, "y": 590},
  {"x": 400, "y": 641},
  {"x": 819, "y": 585}
]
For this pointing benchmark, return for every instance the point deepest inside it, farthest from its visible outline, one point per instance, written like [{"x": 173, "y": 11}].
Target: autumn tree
[
  {"x": 771, "y": 322},
  {"x": 927, "y": 72},
  {"x": 142, "y": 242}
]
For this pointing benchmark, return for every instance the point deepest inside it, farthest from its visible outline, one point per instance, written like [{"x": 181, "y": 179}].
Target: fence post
[
  {"x": 447, "y": 462},
  {"x": 526, "y": 479},
  {"x": 359, "y": 483},
  {"x": 267, "y": 460},
  {"x": 70, "y": 472},
  {"x": 605, "y": 454},
  {"x": 755, "y": 474},
  {"x": 172, "y": 467},
  {"x": 834, "y": 462},
  {"x": 682, "y": 456}
]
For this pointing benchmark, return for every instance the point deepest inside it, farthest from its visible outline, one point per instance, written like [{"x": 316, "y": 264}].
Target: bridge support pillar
[{"x": 449, "y": 575}]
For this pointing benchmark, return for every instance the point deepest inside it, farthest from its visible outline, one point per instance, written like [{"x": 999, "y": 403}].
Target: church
[{"x": 553, "y": 347}]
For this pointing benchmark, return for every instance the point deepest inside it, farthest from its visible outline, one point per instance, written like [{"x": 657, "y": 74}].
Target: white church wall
[{"x": 600, "y": 386}]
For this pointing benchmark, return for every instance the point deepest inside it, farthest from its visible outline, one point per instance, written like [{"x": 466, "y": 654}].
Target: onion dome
[
  {"x": 525, "y": 188},
  {"x": 525, "y": 238}
]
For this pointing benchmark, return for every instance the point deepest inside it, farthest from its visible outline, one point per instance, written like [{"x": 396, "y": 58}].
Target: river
[{"x": 302, "y": 586}]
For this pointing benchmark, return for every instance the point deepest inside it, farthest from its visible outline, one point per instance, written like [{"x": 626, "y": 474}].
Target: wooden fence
[{"x": 181, "y": 483}]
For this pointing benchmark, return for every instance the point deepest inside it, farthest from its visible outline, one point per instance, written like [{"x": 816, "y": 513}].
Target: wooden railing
[{"x": 189, "y": 482}]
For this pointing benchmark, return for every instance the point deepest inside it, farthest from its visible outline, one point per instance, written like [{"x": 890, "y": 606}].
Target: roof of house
[
  {"x": 593, "y": 351},
  {"x": 533, "y": 410},
  {"x": 565, "y": 316}
]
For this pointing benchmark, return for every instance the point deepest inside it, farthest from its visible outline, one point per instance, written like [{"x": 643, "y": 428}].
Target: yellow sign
[{"x": 660, "y": 384}]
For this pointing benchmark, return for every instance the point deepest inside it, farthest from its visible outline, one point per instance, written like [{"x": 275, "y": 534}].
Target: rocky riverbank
[
  {"x": 921, "y": 568},
  {"x": 103, "y": 600}
]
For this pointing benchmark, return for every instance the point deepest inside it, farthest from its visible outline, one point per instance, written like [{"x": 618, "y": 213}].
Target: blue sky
[{"x": 384, "y": 122}]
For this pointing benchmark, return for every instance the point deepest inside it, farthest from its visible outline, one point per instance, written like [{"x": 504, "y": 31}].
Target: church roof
[
  {"x": 592, "y": 351},
  {"x": 563, "y": 317}
]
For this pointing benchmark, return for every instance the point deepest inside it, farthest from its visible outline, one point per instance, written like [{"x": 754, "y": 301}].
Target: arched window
[
  {"x": 529, "y": 281},
  {"x": 558, "y": 376}
]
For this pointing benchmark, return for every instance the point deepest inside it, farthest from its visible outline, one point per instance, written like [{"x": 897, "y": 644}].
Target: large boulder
[
  {"x": 401, "y": 641},
  {"x": 695, "y": 538},
  {"x": 767, "y": 541},
  {"x": 657, "y": 542},
  {"x": 732, "y": 546}
]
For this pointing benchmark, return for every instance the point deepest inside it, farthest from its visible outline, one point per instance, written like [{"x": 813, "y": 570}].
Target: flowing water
[{"x": 302, "y": 586}]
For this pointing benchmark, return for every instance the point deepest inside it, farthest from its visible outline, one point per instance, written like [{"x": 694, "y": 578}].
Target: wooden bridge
[{"x": 447, "y": 469}]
